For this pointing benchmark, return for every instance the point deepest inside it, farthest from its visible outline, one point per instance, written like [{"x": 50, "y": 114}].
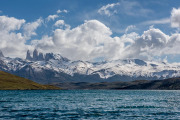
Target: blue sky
[
  {"x": 117, "y": 27},
  {"x": 80, "y": 10}
]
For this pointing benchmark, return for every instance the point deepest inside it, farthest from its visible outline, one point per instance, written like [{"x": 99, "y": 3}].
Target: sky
[{"x": 92, "y": 30}]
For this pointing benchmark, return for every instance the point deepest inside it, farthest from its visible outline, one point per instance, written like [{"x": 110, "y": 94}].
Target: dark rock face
[
  {"x": 35, "y": 55},
  {"x": 41, "y": 57},
  {"x": 38, "y": 56},
  {"x": 28, "y": 55},
  {"x": 1, "y": 54},
  {"x": 49, "y": 56}
]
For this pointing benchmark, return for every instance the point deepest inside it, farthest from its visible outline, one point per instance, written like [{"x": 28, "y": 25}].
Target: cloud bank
[
  {"x": 175, "y": 18},
  {"x": 88, "y": 41}
]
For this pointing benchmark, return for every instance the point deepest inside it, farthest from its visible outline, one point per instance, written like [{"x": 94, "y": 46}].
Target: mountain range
[
  {"x": 53, "y": 68},
  {"x": 166, "y": 84}
]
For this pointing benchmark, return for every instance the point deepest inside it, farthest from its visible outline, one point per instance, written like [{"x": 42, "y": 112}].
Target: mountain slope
[{"x": 12, "y": 82}]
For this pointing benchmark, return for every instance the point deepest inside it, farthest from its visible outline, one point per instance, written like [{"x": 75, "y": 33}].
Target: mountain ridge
[{"x": 54, "y": 68}]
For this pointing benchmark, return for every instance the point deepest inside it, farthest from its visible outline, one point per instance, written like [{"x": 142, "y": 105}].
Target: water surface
[{"x": 90, "y": 104}]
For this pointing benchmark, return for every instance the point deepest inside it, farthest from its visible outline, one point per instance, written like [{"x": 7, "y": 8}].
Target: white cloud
[
  {"x": 175, "y": 18},
  {"x": 107, "y": 9},
  {"x": 129, "y": 28},
  {"x": 58, "y": 11},
  {"x": 123, "y": 7},
  {"x": 29, "y": 28},
  {"x": 86, "y": 42},
  {"x": 151, "y": 43},
  {"x": 61, "y": 11},
  {"x": 12, "y": 41},
  {"x": 161, "y": 21},
  {"x": 93, "y": 40},
  {"x": 61, "y": 24},
  {"x": 65, "y": 11},
  {"x": 45, "y": 42},
  {"x": 10, "y": 23},
  {"x": 52, "y": 17}
]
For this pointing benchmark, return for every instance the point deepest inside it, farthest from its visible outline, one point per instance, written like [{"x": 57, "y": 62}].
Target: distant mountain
[
  {"x": 53, "y": 68},
  {"x": 167, "y": 84},
  {"x": 12, "y": 82}
]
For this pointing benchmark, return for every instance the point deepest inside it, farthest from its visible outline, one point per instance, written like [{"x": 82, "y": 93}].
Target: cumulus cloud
[
  {"x": 30, "y": 28},
  {"x": 58, "y": 11},
  {"x": 65, "y": 11},
  {"x": 150, "y": 43},
  {"x": 93, "y": 40},
  {"x": 52, "y": 17},
  {"x": 10, "y": 23},
  {"x": 175, "y": 18},
  {"x": 107, "y": 9},
  {"x": 86, "y": 42},
  {"x": 12, "y": 41},
  {"x": 61, "y": 24},
  {"x": 61, "y": 11},
  {"x": 44, "y": 42}
]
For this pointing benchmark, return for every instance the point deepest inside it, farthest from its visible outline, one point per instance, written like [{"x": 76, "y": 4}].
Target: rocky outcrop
[{"x": 36, "y": 56}]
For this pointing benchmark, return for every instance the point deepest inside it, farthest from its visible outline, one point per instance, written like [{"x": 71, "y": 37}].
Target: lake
[{"x": 89, "y": 104}]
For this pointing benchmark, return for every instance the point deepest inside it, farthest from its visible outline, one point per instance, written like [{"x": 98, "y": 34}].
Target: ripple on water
[{"x": 89, "y": 104}]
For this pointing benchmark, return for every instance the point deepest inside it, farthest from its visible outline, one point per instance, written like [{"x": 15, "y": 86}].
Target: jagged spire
[
  {"x": 35, "y": 55},
  {"x": 41, "y": 56},
  {"x": 28, "y": 55},
  {"x": 1, "y": 54}
]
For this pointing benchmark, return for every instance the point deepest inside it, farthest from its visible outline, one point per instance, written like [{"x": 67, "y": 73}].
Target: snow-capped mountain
[{"x": 53, "y": 68}]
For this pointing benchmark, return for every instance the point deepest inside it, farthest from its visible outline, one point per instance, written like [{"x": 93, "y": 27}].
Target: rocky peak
[
  {"x": 1, "y": 54},
  {"x": 35, "y": 55},
  {"x": 28, "y": 55}
]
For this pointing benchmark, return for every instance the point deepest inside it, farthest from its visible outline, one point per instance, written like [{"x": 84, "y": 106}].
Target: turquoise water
[{"x": 90, "y": 105}]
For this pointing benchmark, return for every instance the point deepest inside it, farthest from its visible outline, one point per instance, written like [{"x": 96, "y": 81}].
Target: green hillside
[{"x": 13, "y": 82}]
